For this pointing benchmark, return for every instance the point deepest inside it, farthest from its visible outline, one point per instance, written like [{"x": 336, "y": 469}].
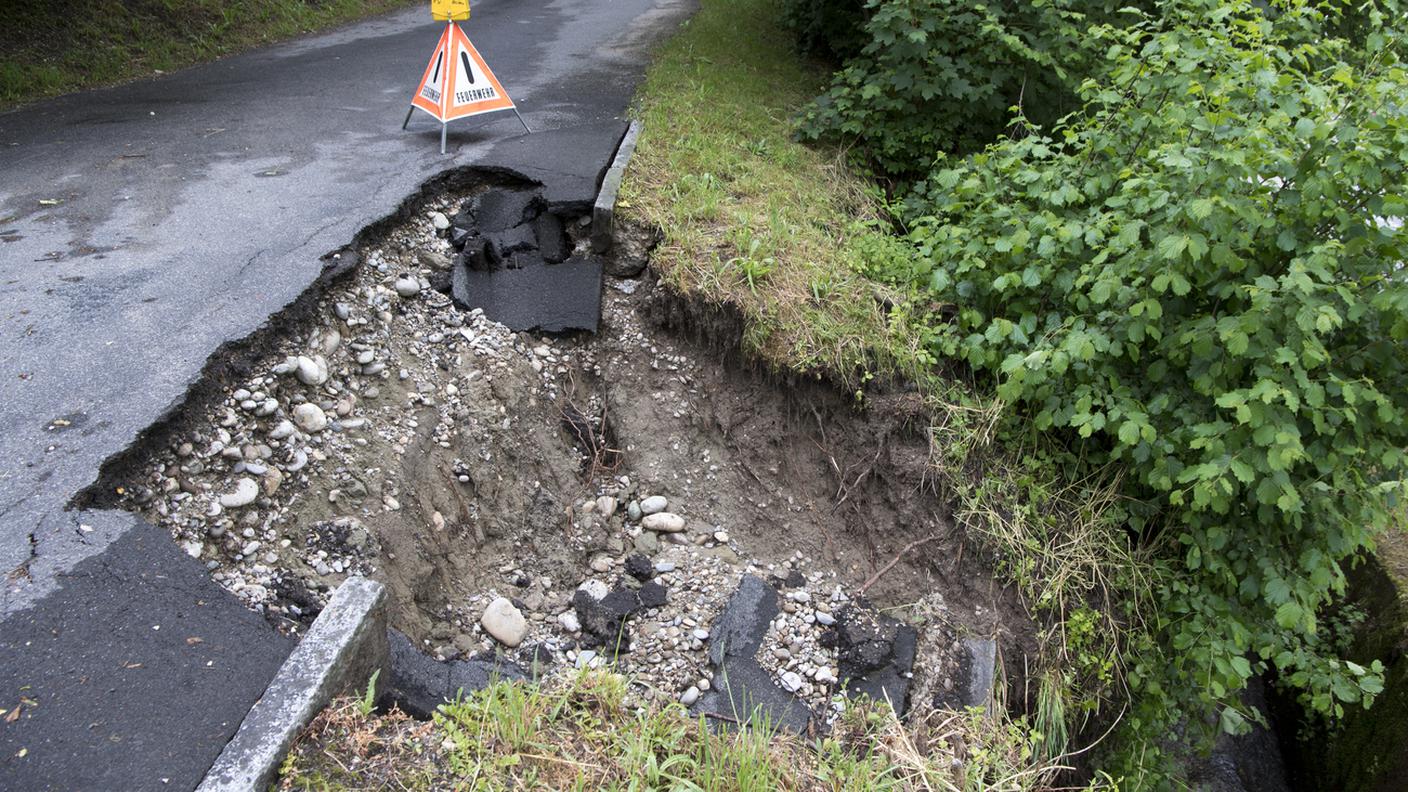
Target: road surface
[{"x": 141, "y": 227}]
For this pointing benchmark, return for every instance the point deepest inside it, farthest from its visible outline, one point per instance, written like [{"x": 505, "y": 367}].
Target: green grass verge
[
  {"x": 579, "y": 732},
  {"x": 49, "y": 47},
  {"x": 752, "y": 218}
]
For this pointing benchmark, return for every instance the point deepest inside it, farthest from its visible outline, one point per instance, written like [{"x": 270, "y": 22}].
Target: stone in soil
[
  {"x": 505, "y": 622},
  {"x": 663, "y": 522}
]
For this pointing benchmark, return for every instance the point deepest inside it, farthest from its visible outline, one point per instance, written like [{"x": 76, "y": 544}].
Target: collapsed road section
[{"x": 537, "y": 496}]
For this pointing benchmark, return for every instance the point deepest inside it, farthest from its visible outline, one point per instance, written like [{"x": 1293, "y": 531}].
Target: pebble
[
  {"x": 654, "y": 504},
  {"x": 606, "y": 506},
  {"x": 822, "y": 617},
  {"x": 569, "y": 621},
  {"x": 504, "y": 621},
  {"x": 407, "y": 287},
  {"x": 245, "y": 493},
  {"x": 601, "y": 563},
  {"x": 310, "y": 418},
  {"x": 633, "y": 511},
  {"x": 283, "y": 430},
  {"x": 791, "y": 681},
  {"x": 439, "y": 221},
  {"x": 595, "y": 589},
  {"x": 690, "y": 696},
  {"x": 664, "y": 566},
  {"x": 664, "y": 522},
  {"x": 312, "y": 371}
]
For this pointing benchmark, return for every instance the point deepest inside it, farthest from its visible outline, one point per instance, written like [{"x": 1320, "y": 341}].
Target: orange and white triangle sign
[{"x": 458, "y": 83}]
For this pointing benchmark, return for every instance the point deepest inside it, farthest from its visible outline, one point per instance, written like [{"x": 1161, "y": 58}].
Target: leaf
[
  {"x": 1232, "y": 721},
  {"x": 1288, "y": 615}
]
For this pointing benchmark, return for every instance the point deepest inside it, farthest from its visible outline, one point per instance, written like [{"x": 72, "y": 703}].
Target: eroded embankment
[{"x": 504, "y": 485}]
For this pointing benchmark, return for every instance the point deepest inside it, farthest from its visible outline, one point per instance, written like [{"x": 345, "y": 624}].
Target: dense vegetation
[{"x": 1171, "y": 235}]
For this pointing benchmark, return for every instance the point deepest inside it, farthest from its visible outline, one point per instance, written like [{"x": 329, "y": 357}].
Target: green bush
[
  {"x": 1203, "y": 275},
  {"x": 938, "y": 76}
]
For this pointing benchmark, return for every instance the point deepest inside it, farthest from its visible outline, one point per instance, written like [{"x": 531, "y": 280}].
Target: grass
[
  {"x": 577, "y": 732},
  {"x": 49, "y": 48},
  {"x": 751, "y": 218}
]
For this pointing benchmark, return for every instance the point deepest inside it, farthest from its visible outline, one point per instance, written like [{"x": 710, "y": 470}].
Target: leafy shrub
[
  {"x": 940, "y": 76},
  {"x": 1203, "y": 274}
]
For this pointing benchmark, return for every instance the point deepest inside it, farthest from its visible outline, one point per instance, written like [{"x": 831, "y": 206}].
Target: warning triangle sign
[{"x": 457, "y": 82}]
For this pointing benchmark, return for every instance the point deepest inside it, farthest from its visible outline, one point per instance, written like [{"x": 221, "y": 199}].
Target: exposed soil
[{"x": 462, "y": 462}]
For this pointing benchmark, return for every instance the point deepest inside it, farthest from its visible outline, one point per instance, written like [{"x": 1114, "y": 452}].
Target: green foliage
[
  {"x": 1202, "y": 275},
  {"x": 940, "y": 76}
]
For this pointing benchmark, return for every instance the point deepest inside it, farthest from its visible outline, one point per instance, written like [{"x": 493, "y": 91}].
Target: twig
[{"x": 895, "y": 560}]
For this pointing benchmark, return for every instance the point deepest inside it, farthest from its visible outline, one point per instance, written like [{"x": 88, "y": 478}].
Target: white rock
[
  {"x": 503, "y": 621},
  {"x": 721, "y": 537},
  {"x": 283, "y": 430},
  {"x": 245, "y": 493},
  {"x": 653, "y": 504},
  {"x": 606, "y": 506},
  {"x": 664, "y": 566},
  {"x": 690, "y": 696},
  {"x": 407, "y": 287},
  {"x": 312, "y": 371},
  {"x": 791, "y": 681},
  {"x": 800, "y": 596},
  {"x": 310, "y": 417},
  {"x": 701, "y": 634},
  {"x": 822, "y": 617},
  {"x": 601, "y": 563},
  {"x": 595, "y": 589},
  {"x": 250, "y": 549},
  {"x": 569, "y": 621},
  {"x": 439, "y": 221},
  {"x": 664, "y": 522},
  {"x": 193, "y": 548}
]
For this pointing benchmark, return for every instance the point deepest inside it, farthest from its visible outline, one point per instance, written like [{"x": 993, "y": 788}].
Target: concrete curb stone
[{"x": 345, "y": 646}]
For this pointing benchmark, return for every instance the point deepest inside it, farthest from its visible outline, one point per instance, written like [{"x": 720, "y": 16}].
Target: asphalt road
[{"x": 143, "y": 226}]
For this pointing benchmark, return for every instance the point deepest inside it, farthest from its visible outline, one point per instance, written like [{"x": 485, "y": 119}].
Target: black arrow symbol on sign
[{"x": 464, "y": 58}]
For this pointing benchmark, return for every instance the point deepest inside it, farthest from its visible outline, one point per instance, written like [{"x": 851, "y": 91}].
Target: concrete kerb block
[
  {"x": 345, "y": 646},
  {"x": 604, "y": 211}
]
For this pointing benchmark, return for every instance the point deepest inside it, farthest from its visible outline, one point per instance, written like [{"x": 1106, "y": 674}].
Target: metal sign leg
[
  {"x": 521, "y": 121},
  {"x": 408, "y": 118},
  {"x": 443, "y": 127}
]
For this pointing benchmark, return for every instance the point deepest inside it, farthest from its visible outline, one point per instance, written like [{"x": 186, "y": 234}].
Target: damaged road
[{"x": 144, "y": 227}]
